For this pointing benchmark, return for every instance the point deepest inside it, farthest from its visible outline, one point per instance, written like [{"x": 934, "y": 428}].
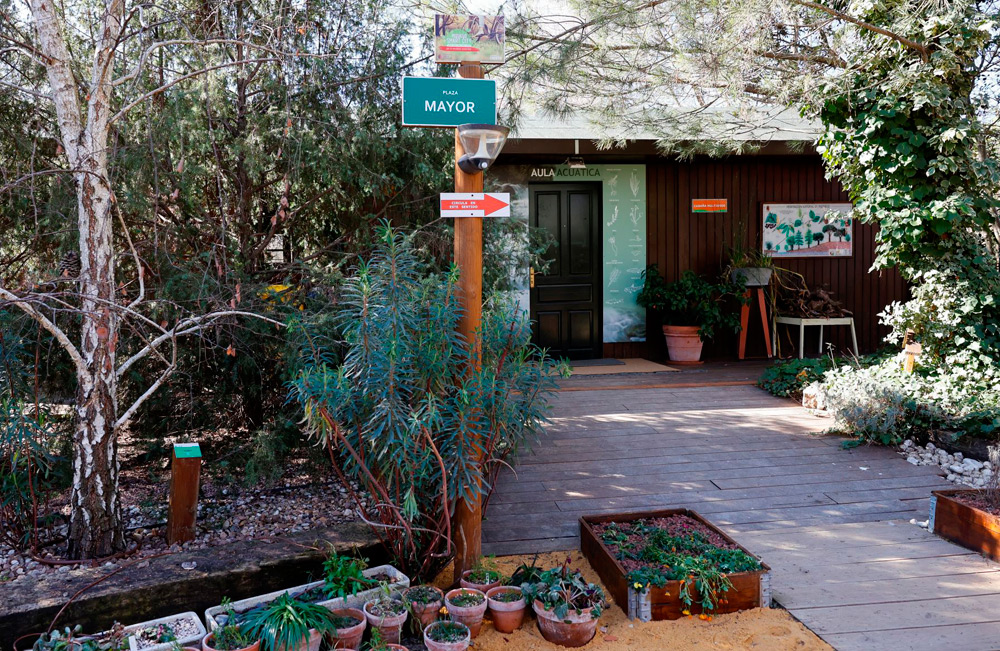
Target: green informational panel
[
  {"x": 623, "y": 215},
  {"x": 187, "y": 450},
  {"x": 448, "y": 102}
]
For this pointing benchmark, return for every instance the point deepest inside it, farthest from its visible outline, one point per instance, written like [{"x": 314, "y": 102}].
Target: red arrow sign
[{"x": 475, "y": 204}]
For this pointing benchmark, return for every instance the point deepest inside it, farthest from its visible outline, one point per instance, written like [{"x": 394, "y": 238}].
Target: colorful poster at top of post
[
  {"x": 808, "y": 230},
  {"x": 474, "y": 39}
]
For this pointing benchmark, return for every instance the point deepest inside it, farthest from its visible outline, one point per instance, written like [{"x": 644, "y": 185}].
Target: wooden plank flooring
[{"x": 832, "y": 523}]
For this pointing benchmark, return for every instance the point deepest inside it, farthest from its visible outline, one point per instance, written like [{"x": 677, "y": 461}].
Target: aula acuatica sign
[{"x": 448, "y": 102}]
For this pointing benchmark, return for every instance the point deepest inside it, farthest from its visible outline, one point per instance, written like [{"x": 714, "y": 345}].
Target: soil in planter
[
  {"x": 760, "y": 628},
  {"x": 177, "y": 629},
  {"x": 467, "y": 599},
  {"x": 507, "y": 597},
  {"x": 392, "y": 609},
  {"x": 977, "y": 500},
  {"x": 340, "y": 622},
  {"x": 423, "y": 594},
  {"x": 449, "y": 632}
]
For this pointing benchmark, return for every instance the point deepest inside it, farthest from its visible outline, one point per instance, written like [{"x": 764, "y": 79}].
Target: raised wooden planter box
[
  {"x": 750, "y": 589},
  {"x": 965, "y": 525}
]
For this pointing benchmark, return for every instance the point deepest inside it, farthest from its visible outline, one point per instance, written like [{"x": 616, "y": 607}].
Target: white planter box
[
  {"x": 354, "y": 601},
  {"x": 753, "y": 276},
  {"x": 193, "y": 639}
]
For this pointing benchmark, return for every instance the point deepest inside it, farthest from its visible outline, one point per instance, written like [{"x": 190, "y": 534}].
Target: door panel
[{"x": 566, "y": 300}]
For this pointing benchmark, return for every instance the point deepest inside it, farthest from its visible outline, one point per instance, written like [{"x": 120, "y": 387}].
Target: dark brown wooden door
[{"x": 566, "y": 299}]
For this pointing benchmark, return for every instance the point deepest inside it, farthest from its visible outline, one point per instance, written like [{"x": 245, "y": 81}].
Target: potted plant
[
  {"x": 749, "y": 267},
  {"x": 425, "y": 602},
  {"x": 386, "y": 614},
  {"x": 483, "y": 576},
  {"x": 691, "y": 308},
  {"x": 567, "y": 606},
  {"x": 507, "y": 604},
  {"x": 166, "y": 633},
  {"x": 230, "y": 635},
  {"x": 114, "y": 639},
  {"x": 378, "y": 644},
  {"x": 447, "y": 636},
  {"x": 466, "y": 606},
  {"x": 287, "y": 624},
  {"x": 349, "y": 626}
]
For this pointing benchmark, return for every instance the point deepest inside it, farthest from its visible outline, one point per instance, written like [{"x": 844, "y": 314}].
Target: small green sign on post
[{"x": 443, "y": 102}]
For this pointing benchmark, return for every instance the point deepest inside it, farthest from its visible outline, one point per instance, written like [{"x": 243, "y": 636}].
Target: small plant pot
[
  {"x": 471, "y": 616},
  {"x": 389, "y": 625},
  {"x": 426, "y": 613},
  {"x": 572, "y": 630},
  {"x": 349, "y": 638},
  {"x": 208, "y": 640},
  {"x": 683, "y": 343},
  {"x": 507, "y": 615},
  {"x": 460, "y": 645},
  {"x": 482, "y": 587}
]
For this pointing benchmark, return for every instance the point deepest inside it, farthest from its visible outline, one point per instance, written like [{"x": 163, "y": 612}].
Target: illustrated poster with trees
[{"x": 800, "y": 230}]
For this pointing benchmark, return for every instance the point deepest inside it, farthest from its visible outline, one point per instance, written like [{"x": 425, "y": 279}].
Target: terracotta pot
[
  {"x": 507, "y": 615},
  {"x": 683, "y": 343},
  {"x": 461, "y": 645},
  {"x": 482, "y": 587},
  {"x": 426, "y": 613},
  {"x": 573, "y": 630},
  {"x": 398, "y": 647},
  {"x": 349, "y": 638},
  {"x": 389, "y": 625},
  {"x": 206, "y": 644},
  {"x": 471, "y": 616},
  {"x": 311, "y": 644}
]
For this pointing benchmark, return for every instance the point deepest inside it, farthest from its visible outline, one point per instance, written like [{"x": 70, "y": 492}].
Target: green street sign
[{"x": 441, "y": 102}]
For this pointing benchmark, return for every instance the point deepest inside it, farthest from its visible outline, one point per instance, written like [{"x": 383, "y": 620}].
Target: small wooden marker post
[
  {"x": 185, "y": 479},
  {"x": 912, "y": 350}
]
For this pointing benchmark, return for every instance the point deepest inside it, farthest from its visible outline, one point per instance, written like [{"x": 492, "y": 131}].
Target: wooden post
[
  {"x": 467, "y": 524},
  {"x": 185, "y": 478}
]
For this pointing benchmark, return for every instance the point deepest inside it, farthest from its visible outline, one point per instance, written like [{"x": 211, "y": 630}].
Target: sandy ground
[{"x": 761, "y": 629}]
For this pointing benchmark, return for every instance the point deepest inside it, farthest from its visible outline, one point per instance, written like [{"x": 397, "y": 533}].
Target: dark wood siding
[{"x": 679, "y": 240}]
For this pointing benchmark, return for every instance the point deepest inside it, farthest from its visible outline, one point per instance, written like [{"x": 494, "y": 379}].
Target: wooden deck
[{"x": 832, "y": 523}]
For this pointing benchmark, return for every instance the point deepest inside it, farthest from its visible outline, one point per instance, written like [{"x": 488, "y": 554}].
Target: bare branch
[
  {"x": 167, "y": 372},
  {"x": 186, "y": 327},
  {"x": 52, "y": 328}
]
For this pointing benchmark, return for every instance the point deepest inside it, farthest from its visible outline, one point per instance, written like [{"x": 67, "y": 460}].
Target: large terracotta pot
[
  {"x": 683, "y": 343},
  {"x": 471, "y": 616},
  {"x": 572, "y": 631},
  {"x": 431, "y": 645},
  {"x": 208, "y": 640},
  {"x": 388, "y": 625},
  {"x": 349, "y": 638},
  {"x": 507, "y": 615},
  {"x": 426, "y": 613}
]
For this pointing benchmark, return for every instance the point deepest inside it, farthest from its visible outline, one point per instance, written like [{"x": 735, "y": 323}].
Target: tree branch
[
  {"x": 60, "y": 74},
  {"x": 60, "y": 336},
  {"x": 919, "y": 47},
  {"x": 186, "y": 327}
]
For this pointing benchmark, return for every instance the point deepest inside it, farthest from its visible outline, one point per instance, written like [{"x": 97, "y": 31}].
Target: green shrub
[
  {"x": 407, "y": 413},
  {"x": 790, "y": 377},
  {"x": 691, "y": 300}
]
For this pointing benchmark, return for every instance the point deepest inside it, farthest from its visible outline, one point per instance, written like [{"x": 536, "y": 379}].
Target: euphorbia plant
[{"x": 410, "y": 412}]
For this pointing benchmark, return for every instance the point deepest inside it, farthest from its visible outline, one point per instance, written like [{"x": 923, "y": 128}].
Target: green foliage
[
  {"x": 233, "y": 635},
  {"x": 467, "y": 598},
  {"x": 700, "y": 566},
  {"x": 285, "y": 622},
  {"x": 408, "y": 412},
  {"x": 789, "y": 377},
  {"x": 691, "y": 300},
  {"x": 561, "y": 590},
  {"x": 344, "y": 576},
  {"x": 448, "y": 632}
]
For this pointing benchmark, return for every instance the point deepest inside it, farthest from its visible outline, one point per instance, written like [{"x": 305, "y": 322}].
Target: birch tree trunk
[{"x": 95, "y": 512}]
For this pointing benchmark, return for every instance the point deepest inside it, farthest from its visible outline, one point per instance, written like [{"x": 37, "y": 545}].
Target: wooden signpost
[
  {"x": 450, "y": 103},
  {"x": 185, "y": 479}
]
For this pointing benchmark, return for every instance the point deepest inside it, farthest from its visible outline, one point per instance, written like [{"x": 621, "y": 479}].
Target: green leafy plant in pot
[
  {"x": 567, "y": 606},
  {"x": 231, "y": 636},
  {"x": 287, "y": 624},
  {"x": 692, "y": 310},
  {"x": 749, "y": 267}
]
